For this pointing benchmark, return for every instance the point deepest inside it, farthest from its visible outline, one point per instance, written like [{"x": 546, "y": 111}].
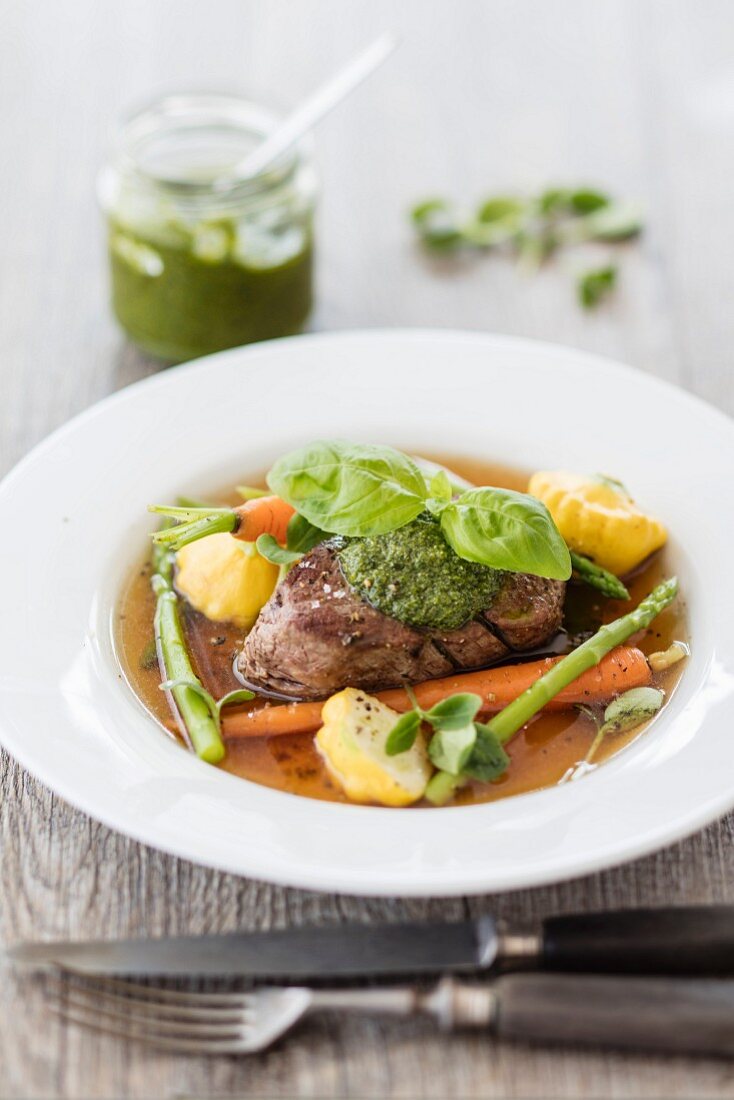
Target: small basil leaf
[
  {"x": 450, "y": 749},
  {"x": 594, "y": 286},
  {"x": 301, "y": 535},
  {"x": 350, "y": 488},
  {"x": 613, "y": 222},
  {"x": 437, "y": 224},
  {"x": 631, "y": 709},
  {"x": 403, "y": 734},
  {"x": 198, "y": 689},
  {"x": 554, "y": 200},
  {"x": 506, "y": 530},
  {"x": 458, "y": 484},
  {"x": 501, "y": 208},
  {"x": 585, "y": 200},
  {"x": 269, "y": 548},
  {"x": 455, "y": 712},
  {"x": 488, "y": 759},
  {"x": 239, "y": 695},
  {"x": 440, "y": 487}
]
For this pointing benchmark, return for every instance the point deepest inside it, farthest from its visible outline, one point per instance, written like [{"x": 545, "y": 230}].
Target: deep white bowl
[{"x": 74, "y": 519}]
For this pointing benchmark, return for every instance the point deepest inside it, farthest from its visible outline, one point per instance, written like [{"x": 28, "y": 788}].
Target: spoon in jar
[{"x": 314, "y": 108}]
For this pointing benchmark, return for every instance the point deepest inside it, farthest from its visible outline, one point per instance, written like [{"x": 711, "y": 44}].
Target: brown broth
[{"x": 541, "y": 754}]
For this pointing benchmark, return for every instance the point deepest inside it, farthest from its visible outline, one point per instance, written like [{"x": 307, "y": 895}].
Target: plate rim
[{"x": 695, "y": 819}]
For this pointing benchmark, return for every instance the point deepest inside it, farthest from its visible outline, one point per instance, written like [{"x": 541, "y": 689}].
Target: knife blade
[
  {"x": 338, "y": 951},
  {"x": 692, "y": 940}
]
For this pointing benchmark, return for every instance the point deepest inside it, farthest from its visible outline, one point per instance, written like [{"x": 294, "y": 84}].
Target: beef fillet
[{"x": 316, "y": 636}]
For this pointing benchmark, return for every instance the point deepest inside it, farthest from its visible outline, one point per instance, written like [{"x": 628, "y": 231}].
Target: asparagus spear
[
  {"x": 174, "y": 659},
  {"x": 514, "y": 716},
  {"x": 599, "y": 578}
]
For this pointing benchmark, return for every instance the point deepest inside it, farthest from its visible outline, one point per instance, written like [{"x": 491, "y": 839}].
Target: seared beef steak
[{"x": 316, "y": 636}]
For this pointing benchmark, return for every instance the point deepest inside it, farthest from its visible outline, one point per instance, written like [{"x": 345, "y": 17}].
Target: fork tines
[{"x": 195, "y": 1022}]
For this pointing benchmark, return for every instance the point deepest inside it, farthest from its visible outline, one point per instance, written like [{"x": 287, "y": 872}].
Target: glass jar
[{"x": 202, "y": 259}]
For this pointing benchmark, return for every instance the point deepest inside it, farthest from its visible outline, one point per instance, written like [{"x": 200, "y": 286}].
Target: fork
[{"x": 694, "y": 1016}]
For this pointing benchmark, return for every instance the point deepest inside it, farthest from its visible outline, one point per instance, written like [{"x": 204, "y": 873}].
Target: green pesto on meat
[{"x": 413, "y": 575}]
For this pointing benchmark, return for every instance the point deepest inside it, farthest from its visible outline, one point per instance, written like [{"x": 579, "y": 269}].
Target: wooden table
[{"x": 637, "y": 96}]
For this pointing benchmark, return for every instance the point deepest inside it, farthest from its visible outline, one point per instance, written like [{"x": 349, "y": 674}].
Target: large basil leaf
[
  {"x": 506, "y": 530},
  {"x": 350, "y": 488}
]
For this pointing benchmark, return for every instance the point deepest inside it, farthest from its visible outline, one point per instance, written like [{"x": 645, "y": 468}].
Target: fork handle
[{"x": 693, "y": 1016}]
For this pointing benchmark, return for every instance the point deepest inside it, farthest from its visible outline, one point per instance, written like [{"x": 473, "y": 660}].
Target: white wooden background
[{"x": 637, "y": 95}]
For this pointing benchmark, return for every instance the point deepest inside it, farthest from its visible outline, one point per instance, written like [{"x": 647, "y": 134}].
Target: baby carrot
[
  {"x": 263, "y": 516},
  {"x": 266, "y": 515},
  {"x": 624, "y": 668}
]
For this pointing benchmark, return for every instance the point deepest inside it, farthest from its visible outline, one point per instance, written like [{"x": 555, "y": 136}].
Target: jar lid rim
[{"x": 186, "y": 115}]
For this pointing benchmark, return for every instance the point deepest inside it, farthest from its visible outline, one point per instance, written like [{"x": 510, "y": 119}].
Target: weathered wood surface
[{"x": 635, "y": 94}]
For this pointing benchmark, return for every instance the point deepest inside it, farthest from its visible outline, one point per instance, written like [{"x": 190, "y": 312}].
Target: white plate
[{"x": 73, "y": 521}]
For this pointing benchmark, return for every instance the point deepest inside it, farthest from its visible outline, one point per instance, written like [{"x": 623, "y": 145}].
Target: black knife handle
[
  {"x": 684, "y": 1016},
  {"x": 696, "y": 940}
]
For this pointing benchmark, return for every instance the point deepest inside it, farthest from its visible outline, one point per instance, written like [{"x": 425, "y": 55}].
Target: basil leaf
[
  {"x": 440, "y": 487},
  {"x": 502, "y": 208},
  {"x": 198, "y": 689},
  {"x": 593, "y": 286},
  {"x": 239, "y": 695},
  {"x": 269, "y": 548},
  {"x": 350, "y": 488},
  {"x": 437, "y": 224},
  {"x": 631, "y": 709},
  {"x": 301, "y": 535},
  {"x": 488, "y": 759},
  {"x": 455, "y": 712},
  {"x": 403, "y": 734},
  {"x": 450, "y": 749},
  {"x": 585, "y": 200},
  {"x": 506, "y": 530}
]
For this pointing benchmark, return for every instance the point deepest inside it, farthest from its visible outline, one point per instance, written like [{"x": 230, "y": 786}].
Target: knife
[{"x": 696, "y": 940}]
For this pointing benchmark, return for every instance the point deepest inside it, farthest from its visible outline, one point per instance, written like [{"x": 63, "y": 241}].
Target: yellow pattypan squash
[
  {"x": 352, "y": 744},
  {"x": 225, "y": 579},
  {"x": 599, "y": 519}
]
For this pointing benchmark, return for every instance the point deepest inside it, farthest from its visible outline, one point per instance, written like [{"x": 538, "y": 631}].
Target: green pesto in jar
[
  {"x": 181, "y": 294},
  {"x": 413, "y": 575}
]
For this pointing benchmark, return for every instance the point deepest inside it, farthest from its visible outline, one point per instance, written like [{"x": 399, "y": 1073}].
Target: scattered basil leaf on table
[
  {"x": 506, "y": 530},
  {"x": 436, "y": 223},
  {"x": 350, "y": 488},
  {"x": 594, "y": 286},
  {"x": 533, "y": 227}
]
